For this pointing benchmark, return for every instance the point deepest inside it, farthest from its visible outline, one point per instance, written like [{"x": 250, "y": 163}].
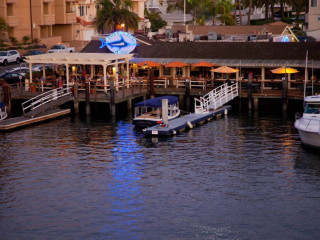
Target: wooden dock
[
  {"x": 185, "y": 122},
  {"x": 18, "y": 122}
]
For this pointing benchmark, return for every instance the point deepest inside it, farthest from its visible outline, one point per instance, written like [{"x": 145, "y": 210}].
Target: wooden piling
[
  {"x": 284, "y": 93},
  {"x": 112, "y": 98},
  {"x": 151, "y": 81},
  {"x": 187, "y": 97},
  {"x": 75, "y": 97},
  {"x": 129, "y": 104},
  {"x": 87, "y": 88},
  {"x": 165, "y": 111},
  {"x": 7, "y": 98},
  {"x": 249, "y": 86}
]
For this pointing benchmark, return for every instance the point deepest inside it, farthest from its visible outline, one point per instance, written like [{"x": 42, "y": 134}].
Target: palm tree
[
  {"x": 224, "y": 8},
  {"x": 299, "y": 6},
  {"x": 113, "y": 14},
  {"x": 197, "y": 8}
]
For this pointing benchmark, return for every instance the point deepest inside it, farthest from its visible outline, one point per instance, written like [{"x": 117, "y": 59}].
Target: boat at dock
[
  {"x": 308, "y": 125},
  {"x": 149, "y": 112},
  {"x": 3, "y": 111}
]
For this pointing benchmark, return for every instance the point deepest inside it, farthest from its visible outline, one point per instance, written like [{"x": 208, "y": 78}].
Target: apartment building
[
  {"x": 45, "y": 20},
  {"x": 53, "y": 21},
  {"x": 313, "y": 19},
  {"x": 86, "y": 11}
]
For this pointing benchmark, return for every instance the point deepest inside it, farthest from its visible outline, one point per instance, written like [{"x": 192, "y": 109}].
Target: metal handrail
[
  {"x": 216, "y": 98},
  {"x": 42, "y": 99}
]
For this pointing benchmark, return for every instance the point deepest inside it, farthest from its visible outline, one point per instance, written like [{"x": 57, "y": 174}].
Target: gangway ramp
[
  {"x": 45, "y": 101},
  {"x": 216, "y": 98}
]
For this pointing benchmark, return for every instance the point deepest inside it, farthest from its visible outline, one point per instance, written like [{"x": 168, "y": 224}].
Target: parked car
[
  {"x": 17, "y": 69},
  {"x": 307, "y": 39},
  {"x": 11, "y": 77},
  {"x": 32, "y": 53},
  {"x": 22, "y": 70},
  {"x": 9, "y": 57},
  {"x": 39, "y": 67},
  {"x": 60, "y": 48}
]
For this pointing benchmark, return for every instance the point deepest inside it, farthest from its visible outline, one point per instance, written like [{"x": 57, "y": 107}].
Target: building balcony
[
  {"x": 12, "y": 1},
  {"x": 13, "y": 21},
  {"x": 49, "y": 19},
  {"x": 71, "y": 18}
]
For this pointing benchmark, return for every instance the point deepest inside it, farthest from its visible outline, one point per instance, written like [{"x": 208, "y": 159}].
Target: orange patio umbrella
[
  {"x": 176, "y": 64},
  {"x": 204, "y": 64},
  {"x": 284, "y": 70},
  {"x": 225, "y": 69},
  {"x": 148, "y": 64}
]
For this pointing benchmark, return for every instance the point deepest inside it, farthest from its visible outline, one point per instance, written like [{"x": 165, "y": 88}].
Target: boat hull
[
  {"x": 308, "y": 137},
  {"x": 143, "y": 123}
]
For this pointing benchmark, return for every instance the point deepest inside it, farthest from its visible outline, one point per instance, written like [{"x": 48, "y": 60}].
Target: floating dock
[
  {"x": 185, "y": 122},
  {"x": 18, "y": 122}
]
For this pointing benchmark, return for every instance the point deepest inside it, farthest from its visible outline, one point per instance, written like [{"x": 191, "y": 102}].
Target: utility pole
[{"x": 31, "y": 21}]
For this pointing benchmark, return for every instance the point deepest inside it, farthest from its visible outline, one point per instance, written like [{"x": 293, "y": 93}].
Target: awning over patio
[
  {"x": 79, "y": 58},
  {"x": 234, "y": 62}
]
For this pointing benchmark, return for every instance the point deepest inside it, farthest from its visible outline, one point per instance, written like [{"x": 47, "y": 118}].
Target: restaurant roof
[
  {"x": 274, "y": 29},
  {"x": 78, "y": 58},
  {"x": 230, "y": 53}
]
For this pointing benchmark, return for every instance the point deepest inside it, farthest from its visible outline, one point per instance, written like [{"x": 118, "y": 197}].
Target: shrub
[
  {"x": 25, "y": 39},
  {"x": 36, "y": 40},
  {"x": 13, "y": 40}
]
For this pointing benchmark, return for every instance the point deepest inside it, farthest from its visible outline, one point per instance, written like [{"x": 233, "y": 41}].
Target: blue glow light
[{"x": 285, "y": 39}]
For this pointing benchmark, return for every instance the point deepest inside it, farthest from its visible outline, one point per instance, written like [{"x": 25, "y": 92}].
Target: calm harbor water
[{"x": 239, "y": 177}]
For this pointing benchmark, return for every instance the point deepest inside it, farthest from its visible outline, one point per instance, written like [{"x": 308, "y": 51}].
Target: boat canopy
[
  {"x": 157, "y": 102},
  {"x": 2, "y": 104}
]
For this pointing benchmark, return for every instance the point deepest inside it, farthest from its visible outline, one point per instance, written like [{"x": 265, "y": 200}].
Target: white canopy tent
[{"x": 67, "y": 59}]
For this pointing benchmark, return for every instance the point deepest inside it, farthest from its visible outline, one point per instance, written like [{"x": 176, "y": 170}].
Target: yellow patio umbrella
[
  {"x": 284, "y": 70},
  {"x": 225, "y": 69}
]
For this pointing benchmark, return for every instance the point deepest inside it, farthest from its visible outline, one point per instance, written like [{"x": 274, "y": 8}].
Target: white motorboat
[
  {"x": 309, "y": 124},
  {"x": 149, "y": 112},
  {"x": 3, "y": 111}
]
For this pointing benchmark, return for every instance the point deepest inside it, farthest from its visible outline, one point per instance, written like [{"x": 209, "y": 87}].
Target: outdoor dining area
[
  {"x": 126, "y": 72},
  {"x": 203, "y": 75}
]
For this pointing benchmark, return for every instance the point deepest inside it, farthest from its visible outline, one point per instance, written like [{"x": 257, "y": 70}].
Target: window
[
  {"x": 166, "y": 71},
  {"x": 81, "y": 10},
  {"x": 179, "y": 72},
  {"x": 314, "y": 3},
  {"x": 45, "y": 8}
]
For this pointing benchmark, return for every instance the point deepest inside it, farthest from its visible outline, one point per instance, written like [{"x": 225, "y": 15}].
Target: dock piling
[
  {"x": 87, "y": 88},
  {"x": 165, "y": 112},
  {"x": 284, "y": 93},
  {"x": 112, "y": 99},
  {"x": 187, "y": 97},
  {"x": 249, "y": 92}
]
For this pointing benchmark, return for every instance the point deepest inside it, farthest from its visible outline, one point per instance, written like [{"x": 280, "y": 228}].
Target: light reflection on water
[{"x": 239, "y": 177}]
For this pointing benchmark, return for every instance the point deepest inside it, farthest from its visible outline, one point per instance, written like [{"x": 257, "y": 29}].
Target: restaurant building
[{"x": 256, "y": 59}]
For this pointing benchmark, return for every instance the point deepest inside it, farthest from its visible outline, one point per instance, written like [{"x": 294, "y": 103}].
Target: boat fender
[
  {"x": 174, "y": 132},
  {"x": 225, "y": 111},
  {"x": 190, "y": 124}
]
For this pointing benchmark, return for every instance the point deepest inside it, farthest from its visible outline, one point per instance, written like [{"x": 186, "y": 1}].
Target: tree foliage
[
  {"x": 113, "y": 13},
  {"x": 156, "y": 21}
]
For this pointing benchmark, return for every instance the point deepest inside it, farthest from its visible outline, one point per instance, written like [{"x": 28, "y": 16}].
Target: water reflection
[{"x": 78, "y": 178}]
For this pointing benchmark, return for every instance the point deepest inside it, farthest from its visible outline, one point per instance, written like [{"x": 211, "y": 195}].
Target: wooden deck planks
[
  {"x": 184, "y": 122},
  {"x": 17, "y": 122}
]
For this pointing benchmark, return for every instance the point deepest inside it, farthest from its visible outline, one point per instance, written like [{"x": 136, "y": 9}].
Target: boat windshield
[{"x": 312, "y": 108}]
